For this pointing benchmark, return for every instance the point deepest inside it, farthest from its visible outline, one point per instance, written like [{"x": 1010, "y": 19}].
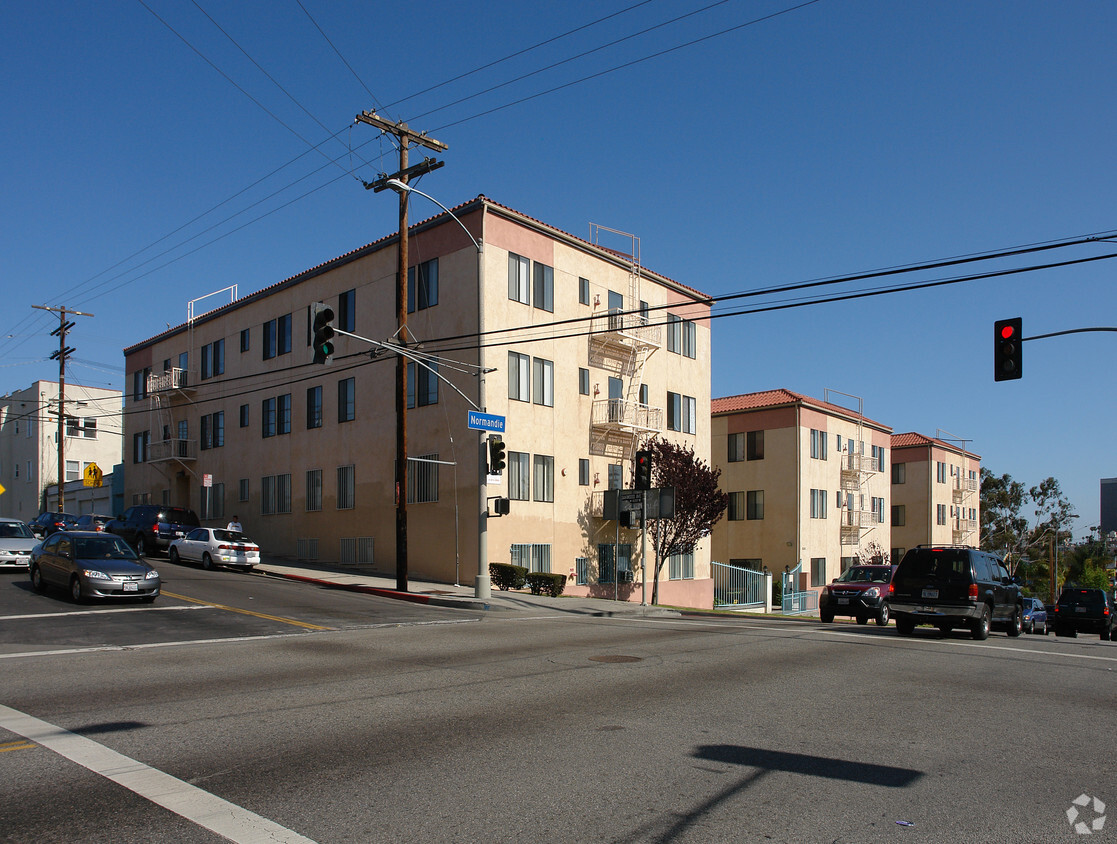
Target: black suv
[
  {"x": 954, "y": 586},
  {"x": 1083, "y": 611},
  {"x": 152, "y": 527}
]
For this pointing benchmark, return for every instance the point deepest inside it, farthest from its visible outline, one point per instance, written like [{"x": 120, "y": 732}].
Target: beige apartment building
[
  {"x": 808, "y": 485},
  {"x": 586, "y": 353},
  {"x": 936, "y": 494},
  {"x": 29, "y": 443}
]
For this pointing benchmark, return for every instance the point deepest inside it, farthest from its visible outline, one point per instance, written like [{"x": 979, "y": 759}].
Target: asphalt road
[{"x": 523, "y": 727}]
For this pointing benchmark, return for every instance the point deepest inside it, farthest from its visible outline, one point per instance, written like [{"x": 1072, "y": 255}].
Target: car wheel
[
  {"x": 1046, "y": 629},
  {"x": 1030, "y": 627},
  {"x": 979, "y": 627},
  {"x": 827, "y": 617},
  {"x": 37, "y": 580},
  {"x": 905, "y": 626},
  {"x": 883, "y": 615},
  {"x": 173, "y": 555},
  {"x": 1015, "y": 627},
  {"x": 207, "y": 562},
  {"x": 141, "y": 545},
  {"x": 1105, "y": 635},
  {"x": 75, "y": 590}
]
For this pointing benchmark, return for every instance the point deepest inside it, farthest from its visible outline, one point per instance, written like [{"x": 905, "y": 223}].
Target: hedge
[
  {"x": 505, "y": 576},
  {"x": 545, "y": 583}
]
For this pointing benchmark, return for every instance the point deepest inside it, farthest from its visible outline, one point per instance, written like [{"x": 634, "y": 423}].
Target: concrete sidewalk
[{"x": 353, "y": 579}]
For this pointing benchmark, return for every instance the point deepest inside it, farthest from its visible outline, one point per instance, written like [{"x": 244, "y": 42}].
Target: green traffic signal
[{"x": 321, "y": 319}]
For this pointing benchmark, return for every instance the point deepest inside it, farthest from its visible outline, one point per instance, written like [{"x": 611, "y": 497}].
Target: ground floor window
[
  {"x": 532, "y": 556},
  {"x": 681, "y": 566},
  {"x": 612, "y": 559}
]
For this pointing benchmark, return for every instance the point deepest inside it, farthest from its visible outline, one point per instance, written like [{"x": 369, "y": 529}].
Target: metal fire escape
[{"x": 857, "y": 470}]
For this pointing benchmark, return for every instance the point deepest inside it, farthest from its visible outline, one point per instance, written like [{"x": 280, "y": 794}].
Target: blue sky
[{"x": 834, "y": 138}]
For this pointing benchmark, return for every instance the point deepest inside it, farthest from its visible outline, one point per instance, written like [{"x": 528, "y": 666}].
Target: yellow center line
[
  {"x": 305, "y": 624},
  {"x": 16, "y": 745}
]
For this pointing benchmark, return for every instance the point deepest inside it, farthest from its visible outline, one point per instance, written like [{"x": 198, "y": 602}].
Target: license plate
[
  {"x": 131, "y": 587},
  {"x": 843, "y": 600},
  {"x": 179, "y": 533},
  {"x": 1080, "y": 609},
  {"x": 931, "y": 593}
]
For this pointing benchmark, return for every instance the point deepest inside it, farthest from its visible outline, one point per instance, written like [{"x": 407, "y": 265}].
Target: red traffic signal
[
  {"x": 1008, "y": 363},
  {"x": 642, "y": 470}
]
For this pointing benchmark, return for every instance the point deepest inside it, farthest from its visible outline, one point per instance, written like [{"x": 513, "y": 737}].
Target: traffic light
[
  {"x": 642, "y": 467},
  {"x": 1007, "y": 340},
  {"x": 321, "y": 321},
  {"x": 500, "y": 506},
  {"x": 497, "y": 456}
]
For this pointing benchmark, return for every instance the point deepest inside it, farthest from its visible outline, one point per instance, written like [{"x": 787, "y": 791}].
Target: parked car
[
  {"x": 861, "y": 592},
  {"x": 950, "y": 586},
  {"x": 152, "y": 527},
  {"x": 91, "y": 521},
  {"x": 92, "y": 565},
  {"x": 45, "y": 524},
  {"x": 1035, "y": 616},
  {"x": 214, "y": 547},
  {"x": 1084, "y": 611},
  {"x": 16, "y": 542}
]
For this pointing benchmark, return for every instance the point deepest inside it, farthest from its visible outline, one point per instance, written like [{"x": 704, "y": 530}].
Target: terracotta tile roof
[
  {"x": 912, "y": 439},
  {"x": 781, "y": 398},
  {"x": 480, "y": 201}
]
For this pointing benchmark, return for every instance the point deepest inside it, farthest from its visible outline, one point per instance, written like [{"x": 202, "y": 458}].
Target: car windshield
[
  {"x": 179, "y": 516},
  {"x": 865, "y": 574},
  {"x": 15, "y": 530},
  {"x": 230, "y": 536},
  {"x": 103, "y": 548}
]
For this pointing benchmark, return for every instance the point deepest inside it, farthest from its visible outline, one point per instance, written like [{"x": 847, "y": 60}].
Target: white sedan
[{"x": 214, "y": 547}]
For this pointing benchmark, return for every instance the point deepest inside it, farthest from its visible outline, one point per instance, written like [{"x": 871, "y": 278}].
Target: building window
[
  {"x": 423, "y": 293},
  {"x": 532, "y": 556},
  {"x": 283, "y": 414},
  {"x": 616, "y": 476},
  {"x": 681, "y": 566},
  {"x": 899, "y": 515},
  {"x": 755, "y": 507},
  {"x": 583, "y": 381},
  {"x": 313, "y": 490},
  {"x": 544, "y": 287},
  {"x": 267, "y": 421},
  {"x": 346, "y": 400},
  {"x": 674, "y": 333},
  {"x": 89, "y": 428},
  {"x": 519, "y": 476},
  {"x": 544, "y": 478},
  {"x": 518, "y": 278},
  {"x": 582, "y": 568},
  {"x": 818, "y": 504},
  {"x": 611, "y": 559},
  {"x": 583, "y": 472},
  {"x": 940, "y": 472},
  {"x": 940, "y": 514},
  {"x": 242, "y": 489},
  {"x": 878, "y": 458},
  {"x": 681, "y": 413},
  {"x": 422, "y": 480},
  {"x": 267, "y": 495},
  {"x": 425, "y": 392},
  {"x": 818, "y": 571},
  {"x": 736, "y": 506},
  {"x": 73, "y": 470},
  {"x": 283, "y": 335},
  {"x": 755, "y": 448},
  {"x": 583, "y": 298},
  {"x": 346, "y": 487},
  {"x": 818, "y": 444},
  {"x": 735, "y": 448},
  {"x": 140, "y": 445},
  {"x": 519, "y": 377},
  {"x": 73, "y": 426},
  {"x": 314, "y": 408},
  {"x": 269, "y": 339},
  {"x": 899, "y": 473},
  {"x": 544, "y": 373},
  {"x": 244, "y": 340},
  {"x": 346, "y": 311},
  {"x": 139, "y": 383},
  {"x": 213, "y": 359}
]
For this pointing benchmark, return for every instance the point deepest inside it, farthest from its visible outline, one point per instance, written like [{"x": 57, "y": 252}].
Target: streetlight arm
[{"x": 403, "y": 187}]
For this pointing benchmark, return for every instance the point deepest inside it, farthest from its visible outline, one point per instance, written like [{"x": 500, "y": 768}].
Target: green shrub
[
  {"x": 506, "y": 576},
  {"x": 545, "y": 583}
]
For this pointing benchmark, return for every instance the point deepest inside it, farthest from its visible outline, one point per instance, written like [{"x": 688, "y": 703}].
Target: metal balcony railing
[
  {"x": 173, "y": 449},
  {"x": 172, "y": 379},
  {"x": 621, "y": 414}
]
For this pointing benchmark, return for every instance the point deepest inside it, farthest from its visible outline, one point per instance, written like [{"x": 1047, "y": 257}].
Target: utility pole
[
  {"x": 63, "y": 352},
  {"x": 405, "y": 137}
]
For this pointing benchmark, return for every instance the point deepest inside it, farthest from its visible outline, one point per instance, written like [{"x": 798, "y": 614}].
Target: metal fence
[
  {"x": 736, "y": 587},
  {"x": 794, "y": 600}
]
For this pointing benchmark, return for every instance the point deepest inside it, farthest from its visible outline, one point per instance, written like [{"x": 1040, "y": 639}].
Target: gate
[
  {"x": 738, "y": 588},
  {"x": 795, "y": 601}
]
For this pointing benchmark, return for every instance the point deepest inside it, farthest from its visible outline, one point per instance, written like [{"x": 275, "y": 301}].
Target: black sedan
[{"x": 92, "y": 565}]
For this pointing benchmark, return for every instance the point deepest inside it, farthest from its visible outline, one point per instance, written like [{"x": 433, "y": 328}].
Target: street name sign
[{"x": 478, "y": 421}]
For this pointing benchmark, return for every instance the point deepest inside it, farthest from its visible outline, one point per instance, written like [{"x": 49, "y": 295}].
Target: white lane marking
[
  {"x": 99, "y": 612},
  {"x": 188, "y": 801},
  {"x": 107, "y": 648}
]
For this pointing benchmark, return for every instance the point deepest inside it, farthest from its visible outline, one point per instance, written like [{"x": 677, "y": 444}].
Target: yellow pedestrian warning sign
[{"x": 93, "y": 475}]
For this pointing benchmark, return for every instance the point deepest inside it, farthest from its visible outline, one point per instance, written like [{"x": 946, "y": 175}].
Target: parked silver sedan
[
  {"x": 16, "y": 542},
  {"x": 213, "y": 547},
  {"x": 92, "y": 565}
]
